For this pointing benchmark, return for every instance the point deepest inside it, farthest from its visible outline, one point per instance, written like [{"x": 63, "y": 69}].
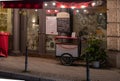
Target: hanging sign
[{"x": 63, "y": 22}]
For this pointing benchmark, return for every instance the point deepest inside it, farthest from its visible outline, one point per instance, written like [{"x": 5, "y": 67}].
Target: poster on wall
[
  {"x": 51, "y": 25},
  {"x": 63, "y": 22}
]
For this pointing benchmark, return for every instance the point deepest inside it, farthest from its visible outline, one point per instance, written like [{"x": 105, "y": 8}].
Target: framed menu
[
  {"x": 63, "y": 25},
  {"x": 63, "y": 22}
]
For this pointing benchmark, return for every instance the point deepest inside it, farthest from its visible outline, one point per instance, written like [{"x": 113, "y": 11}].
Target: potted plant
[{"x": 97, "y": 54}]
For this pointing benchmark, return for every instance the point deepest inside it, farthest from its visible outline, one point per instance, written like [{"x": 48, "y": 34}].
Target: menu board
[
  {"x": 63, "y": 24},
  {"x": 51, "y": 25}
]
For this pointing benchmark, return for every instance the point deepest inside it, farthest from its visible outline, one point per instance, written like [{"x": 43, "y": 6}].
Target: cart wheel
[{"x": 66, "y": 59}]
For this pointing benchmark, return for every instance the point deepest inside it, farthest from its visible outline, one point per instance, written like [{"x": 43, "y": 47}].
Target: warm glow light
[
  {"x": 100, "y": 13},
  {"x": 93, "y": 4},
  {"x": 62, "y": 6},
  {"x": 83, "y": 6},
  {"x": 46, "y": 4},
  {"x": 85, "y": 11},
  {"x": 53, "y": 3},
  {"x": 33, "y": 20},
  {"x": 77, "y": 11},
  {"x": 56, "y": 11},
  {"x": 36, "y": 10},
  {"x": 48, "y": 11},
  {"x": 73, "y": 7}
]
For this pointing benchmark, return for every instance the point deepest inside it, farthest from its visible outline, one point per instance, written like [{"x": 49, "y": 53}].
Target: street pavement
[{"x": 52, "y": 69}]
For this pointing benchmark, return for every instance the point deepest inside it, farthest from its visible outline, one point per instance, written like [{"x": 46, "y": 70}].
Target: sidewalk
[{"x": 51, "y": 70}]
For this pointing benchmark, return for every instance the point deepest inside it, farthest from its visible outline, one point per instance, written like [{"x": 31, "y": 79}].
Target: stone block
[
  {"x": 114, "y": 58},
  {"x": 119, "y": 30},
  {"x": 112, "y": 43},
  {"x": 118, "y": 15},
  {"x": 111, "y": 4},
  {"x": 118, "y": 60},
  {"x": 118, "y": 4},
  {"x": 112, "y": 29},
  {"x": 112, "y": 15},
  {"x": 119, "y": 44}
]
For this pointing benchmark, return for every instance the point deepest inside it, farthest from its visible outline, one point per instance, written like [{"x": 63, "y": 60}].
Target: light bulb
[
  {"x": 83, "y": 6},
  {"x": 53, "y": 3},
  {"x": 73, "y": 7},
  {"x": 46, "y": 4},
  {"x": 77, "y": 11},
  {"x": 93, "y": 3},
  {"x": 62, "y": 6}
]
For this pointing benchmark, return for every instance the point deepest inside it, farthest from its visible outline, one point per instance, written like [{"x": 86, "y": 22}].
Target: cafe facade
[{"x": 36, "y": 28}]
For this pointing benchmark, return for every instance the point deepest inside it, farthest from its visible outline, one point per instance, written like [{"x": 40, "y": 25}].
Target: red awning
[
  {"x": 21, "y": 4},
  {"x": 65, "y": 0},
  {"x": 35, "y": 4}
]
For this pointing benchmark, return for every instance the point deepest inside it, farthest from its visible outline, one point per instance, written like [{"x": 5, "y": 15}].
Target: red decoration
[
  {"x": 12, "y": 5},
  {"x": 72, "y": 5},
  {"x": 51, "y": 11},
  {"x": 27, "y": 5},
  {"x": 36, "y": 6},
  {"x": 20, "y": 5}
]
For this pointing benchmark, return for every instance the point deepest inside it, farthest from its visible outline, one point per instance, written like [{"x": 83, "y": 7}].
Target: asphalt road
[{"x": 52, "y": 69}]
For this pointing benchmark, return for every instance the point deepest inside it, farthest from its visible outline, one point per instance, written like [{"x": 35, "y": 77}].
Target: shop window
[
  {"x": 32, "y": 29},
  {"x": 5, "y": 20}
]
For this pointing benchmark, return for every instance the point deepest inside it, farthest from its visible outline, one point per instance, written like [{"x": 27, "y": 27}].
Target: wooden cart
[{"x": 68, "y": 49}]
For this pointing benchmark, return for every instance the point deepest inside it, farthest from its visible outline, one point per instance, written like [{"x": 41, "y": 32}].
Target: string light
[
  {"x": 83, "y": 6},
  {"x": 62, "y": 6},
  {"x": 46, "y": 4},
  {"x": 56, "y": 11},
  {"x": 53, "y": 3},
  {"x": 72, "y": 7},
  {"x": 100, "y": 13},
  {"x": 48, "y": 11},
  {"x": 33, "y": 20},
  {"x": 77, "y": 11},
  {"x": 85, "y": 11},
  {"x": 52, "y": 11},
  {"x": 93, "y": 4},
  {"x": 36, "y": 10}
]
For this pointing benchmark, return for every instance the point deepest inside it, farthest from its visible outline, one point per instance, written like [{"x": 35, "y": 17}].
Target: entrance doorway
[{"x": 32, "y": 31}]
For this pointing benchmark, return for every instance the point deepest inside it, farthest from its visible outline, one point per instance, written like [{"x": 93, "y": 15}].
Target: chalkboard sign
[
  {"x": 63, "y": 25},
  {"x": 63, "y": 22}
]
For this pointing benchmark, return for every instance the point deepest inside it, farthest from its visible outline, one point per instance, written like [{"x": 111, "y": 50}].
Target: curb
[{"x": 22, "y": 76}]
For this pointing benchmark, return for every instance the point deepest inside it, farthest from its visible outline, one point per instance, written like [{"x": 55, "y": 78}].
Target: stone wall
[{"x": 113, "y": 32}]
